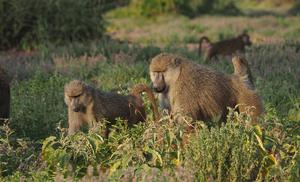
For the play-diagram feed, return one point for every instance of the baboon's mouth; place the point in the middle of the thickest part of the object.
(80, 108)
(160, 89)
(77, 109)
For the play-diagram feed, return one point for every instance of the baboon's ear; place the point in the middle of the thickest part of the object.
(176, 61)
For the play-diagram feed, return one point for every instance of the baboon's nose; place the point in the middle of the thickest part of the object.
(76, 109)
(156, 89)
(159, 89)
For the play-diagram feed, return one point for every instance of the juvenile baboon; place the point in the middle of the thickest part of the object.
(197, 91)
(4, 95)
(210, 50)
(87, 105)
(242, 70)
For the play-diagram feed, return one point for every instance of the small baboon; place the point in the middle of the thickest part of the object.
(210, 50)
(4, 95)
(242, 70)
(197, 91)
(87, 105)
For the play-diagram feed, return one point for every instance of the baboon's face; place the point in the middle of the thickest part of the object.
(163, 80)
(205, 43)
(78, 102)
(246, 40)
(158, 82)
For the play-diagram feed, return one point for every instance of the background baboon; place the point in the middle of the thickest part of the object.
(224, 47)
(4, 95)
(87, 105)
(205, 47)
(242, 69)
(197, 91)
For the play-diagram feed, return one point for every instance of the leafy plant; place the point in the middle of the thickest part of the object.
(38, 106)
(15, 154)
(26, 24)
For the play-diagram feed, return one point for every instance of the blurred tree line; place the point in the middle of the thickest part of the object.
(33, 22)
(186, 7)
(197, 7)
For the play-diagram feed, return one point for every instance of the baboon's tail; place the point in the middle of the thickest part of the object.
(138, 89)
(242, 70)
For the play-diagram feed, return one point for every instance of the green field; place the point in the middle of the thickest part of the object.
(34, 145)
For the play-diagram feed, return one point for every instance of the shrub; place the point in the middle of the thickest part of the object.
(152, 8)
(295, 10)
(16, 154)
(25, 23)
(37, 113)
(186, 7)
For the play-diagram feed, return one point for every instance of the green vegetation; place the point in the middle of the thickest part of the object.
(186, 7)
(34, 145)
(192, 8)
(32, 22)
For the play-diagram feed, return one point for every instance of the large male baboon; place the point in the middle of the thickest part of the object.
(200, 92)
(87, 105)
(4, 96)
(210, 50)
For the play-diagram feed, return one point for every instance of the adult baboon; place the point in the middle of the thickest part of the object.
(197, 91)
(242, 70)
(210, 50)
(87, 105)
(4, 95)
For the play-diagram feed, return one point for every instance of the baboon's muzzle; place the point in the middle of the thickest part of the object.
(76, 109)
(159, 89)
(80, 108)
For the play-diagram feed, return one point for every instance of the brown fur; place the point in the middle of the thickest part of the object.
(248, 99)
(87, 105)
(197, 91)
(4, 95)
(164, 102)
(225, 47)
(138, 89)
(242, 70)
